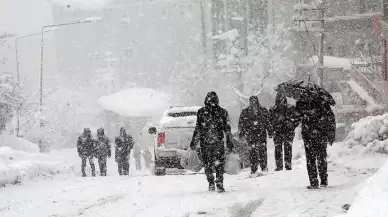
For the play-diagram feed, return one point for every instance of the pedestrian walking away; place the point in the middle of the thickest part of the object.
(85, 148)
(253, 128)
(318, 129)
(283, 119)
(103, 150)
(212, 124)
(124, 144)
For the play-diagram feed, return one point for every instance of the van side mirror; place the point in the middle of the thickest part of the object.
(152, 130)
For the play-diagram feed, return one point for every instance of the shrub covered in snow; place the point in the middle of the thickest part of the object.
(369, 134)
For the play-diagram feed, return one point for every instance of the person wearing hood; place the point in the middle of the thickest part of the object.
(124, 144)
(318, 129)
(212, 124)
(253, 128)
(284, 119)
(85, 148)
(103, 150)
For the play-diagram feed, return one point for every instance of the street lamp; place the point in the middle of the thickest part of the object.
(18, 72)
(87, 20)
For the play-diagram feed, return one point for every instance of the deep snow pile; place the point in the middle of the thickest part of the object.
(18, 166)
(369, 135)
(18, 144)
(372, 200)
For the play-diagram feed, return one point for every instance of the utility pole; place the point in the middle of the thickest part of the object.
(308, 13)
(322, 46)
(270, 24)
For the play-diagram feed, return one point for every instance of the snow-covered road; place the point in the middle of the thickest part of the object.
(277, 194)
(280, 194)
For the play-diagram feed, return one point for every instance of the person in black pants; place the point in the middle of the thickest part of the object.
(124, 145)
(318, 129)
(103, 150)
(253, 127)
(212, 123)
(85, 149)
(284, 119)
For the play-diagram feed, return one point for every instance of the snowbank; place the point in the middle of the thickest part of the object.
(18, 166)
(372, 200)
(18, 144)
(369, 134)
(136, 102)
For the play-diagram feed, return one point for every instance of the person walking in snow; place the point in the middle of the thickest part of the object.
(103, 150)
(85, 148)
(137, 156)
(124, 144)
(283, 119)
(318, 129)
(253, 128)
(212, 123)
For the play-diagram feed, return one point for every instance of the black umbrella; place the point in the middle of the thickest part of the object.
(321, 93)
(292, 89)
(296, 89)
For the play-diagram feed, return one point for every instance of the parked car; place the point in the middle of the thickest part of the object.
(173, 137)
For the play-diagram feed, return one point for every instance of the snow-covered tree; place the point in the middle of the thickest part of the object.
(9, 99)
(266, 65)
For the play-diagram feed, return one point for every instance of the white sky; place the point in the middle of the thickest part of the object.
(24, 16)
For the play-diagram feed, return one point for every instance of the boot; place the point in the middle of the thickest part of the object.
(278, 169)
(220, 188)
(312, 187)
(83, 175)
(212, 187)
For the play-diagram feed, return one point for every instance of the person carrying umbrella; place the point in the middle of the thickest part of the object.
(318, 127)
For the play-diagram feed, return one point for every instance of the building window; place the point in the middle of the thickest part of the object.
(164, 11)
(362, 6)
(128, 52)
(385, 9)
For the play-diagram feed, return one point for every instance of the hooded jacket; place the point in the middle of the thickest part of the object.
(85, 144)
(283, 119)
(254, 126)
(212, 123)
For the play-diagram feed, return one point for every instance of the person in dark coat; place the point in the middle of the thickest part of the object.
(124, 144)
(318, 129)
(212, 123)
(284, 119)
(85, 148)
(253, 127)
(103, 150)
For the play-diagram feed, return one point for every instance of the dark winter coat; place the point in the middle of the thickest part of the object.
(124, 144)
(254, 126)
(318, 120)
(212, 123)
(85, 146)
(283, 119)
(103, 147)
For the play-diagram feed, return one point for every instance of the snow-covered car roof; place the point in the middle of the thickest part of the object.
(187, 120)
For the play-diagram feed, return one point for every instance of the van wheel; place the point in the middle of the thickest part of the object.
(160, 169)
